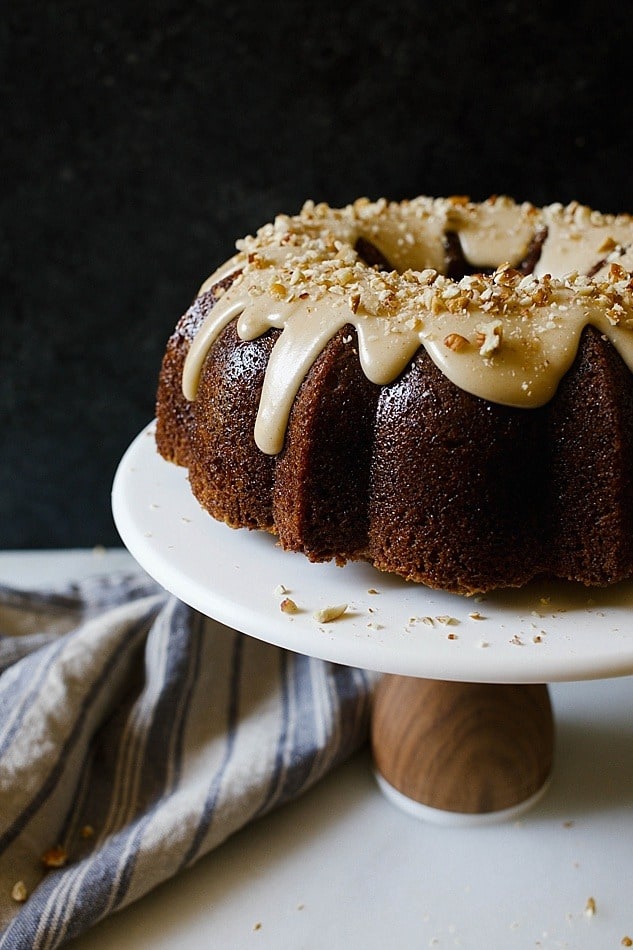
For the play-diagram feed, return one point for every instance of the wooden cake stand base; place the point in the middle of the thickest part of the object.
(462, 748)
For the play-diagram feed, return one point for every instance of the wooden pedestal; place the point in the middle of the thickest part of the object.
(465, 748)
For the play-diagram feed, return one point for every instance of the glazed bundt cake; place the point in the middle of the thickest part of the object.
(440, 387)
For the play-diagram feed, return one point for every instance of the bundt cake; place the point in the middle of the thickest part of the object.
(440, 387)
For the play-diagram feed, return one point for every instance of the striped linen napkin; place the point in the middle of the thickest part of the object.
(135, 736)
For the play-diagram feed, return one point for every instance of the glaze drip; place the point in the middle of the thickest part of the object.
(507, 335)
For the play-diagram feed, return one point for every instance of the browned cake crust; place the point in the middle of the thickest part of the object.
(590, 476)
(418, 476)
(213, 436)
(456, 485)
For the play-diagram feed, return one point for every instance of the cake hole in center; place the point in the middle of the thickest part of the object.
(456, 264)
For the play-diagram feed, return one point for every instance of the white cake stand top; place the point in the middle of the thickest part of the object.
(546, 632)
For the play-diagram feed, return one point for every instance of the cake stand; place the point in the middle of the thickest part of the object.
(462, 727)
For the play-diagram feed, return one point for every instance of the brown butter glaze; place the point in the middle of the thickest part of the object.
(518, 325)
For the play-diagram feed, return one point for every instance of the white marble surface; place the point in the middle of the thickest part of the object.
(343, 868)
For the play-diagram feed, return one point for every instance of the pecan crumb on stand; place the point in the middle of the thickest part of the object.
(55, 857)
(19, 892)
(327, 614)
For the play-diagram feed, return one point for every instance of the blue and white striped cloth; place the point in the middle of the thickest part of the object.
(137, 735)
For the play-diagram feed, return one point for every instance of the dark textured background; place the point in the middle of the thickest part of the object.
(138, 140)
